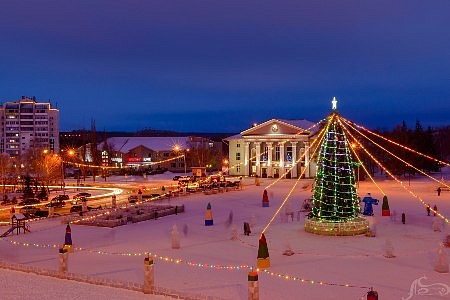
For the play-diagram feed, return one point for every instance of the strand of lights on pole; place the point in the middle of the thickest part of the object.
(352, 148)
(400, 159)
(399, 181)
(397, 144)
(292, 189)
(365, 169)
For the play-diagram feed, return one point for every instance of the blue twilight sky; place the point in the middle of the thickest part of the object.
(219, 66)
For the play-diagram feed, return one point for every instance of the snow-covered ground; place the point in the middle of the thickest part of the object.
(210, 258)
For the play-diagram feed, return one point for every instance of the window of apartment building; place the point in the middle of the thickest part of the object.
(166, 154)
(238, 156)
(173, 165)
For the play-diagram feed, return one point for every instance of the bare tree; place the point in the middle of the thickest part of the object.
(5, 169)
(51, 169)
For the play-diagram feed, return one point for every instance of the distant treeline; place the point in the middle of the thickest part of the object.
(76, 138)
(434, 143)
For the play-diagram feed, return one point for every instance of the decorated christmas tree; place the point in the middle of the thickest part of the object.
(335, 201)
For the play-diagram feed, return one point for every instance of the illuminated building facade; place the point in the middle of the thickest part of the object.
(28, 124)
(270, 149)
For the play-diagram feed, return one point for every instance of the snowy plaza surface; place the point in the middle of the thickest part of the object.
(358, 261)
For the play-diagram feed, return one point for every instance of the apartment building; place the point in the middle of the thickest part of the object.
(28, 124)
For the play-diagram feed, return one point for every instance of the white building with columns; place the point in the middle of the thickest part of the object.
(271, 149)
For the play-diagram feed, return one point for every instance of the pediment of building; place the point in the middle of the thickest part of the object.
(274, 127)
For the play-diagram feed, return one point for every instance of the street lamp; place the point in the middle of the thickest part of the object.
(63, 184)
(177, 149)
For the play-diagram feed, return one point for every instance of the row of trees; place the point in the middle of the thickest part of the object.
(45, 169)
(424, 141)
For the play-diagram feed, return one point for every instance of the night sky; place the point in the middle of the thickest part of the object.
(219, 66)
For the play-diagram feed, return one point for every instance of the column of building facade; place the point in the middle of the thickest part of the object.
(307, 166)
(294, 159)
(269, 159)
(246, 159)
(281, 168)
(258, 158)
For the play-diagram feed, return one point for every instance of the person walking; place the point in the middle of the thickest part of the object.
(439, 191)
(435, 209)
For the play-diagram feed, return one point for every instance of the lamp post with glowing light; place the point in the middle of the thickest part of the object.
(63, 183)
(225, 166)
(177, 149)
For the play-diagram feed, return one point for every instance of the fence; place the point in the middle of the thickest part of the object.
(127, 285)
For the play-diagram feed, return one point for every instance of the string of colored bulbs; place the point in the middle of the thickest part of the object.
(122, 167)
(179, 261)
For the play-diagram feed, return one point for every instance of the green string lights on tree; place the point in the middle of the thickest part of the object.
(335, 198)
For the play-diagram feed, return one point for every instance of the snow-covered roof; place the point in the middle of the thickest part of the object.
(234, 137)
(303, 124)
(19, 216)
(125, 144)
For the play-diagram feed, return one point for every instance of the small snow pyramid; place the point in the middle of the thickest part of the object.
(441, 264)
(288, 251)
(208, 216)
(388, 249)
(437, 224)
(265, 199)
(175, 237)
(372, 226)
(68, 240)
(234, 233)
(229, 220)
(257, 183)
(252, 222)
(385, 212)
(263, 261)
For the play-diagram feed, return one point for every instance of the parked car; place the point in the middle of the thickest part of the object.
(78, 200)
(41, 213)
(79, 208)
(63, 197)
(150, 196)
(29, 201)
(76, 208)
(82, 194)
(133, 199)
(56, 202)
(28, 210)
